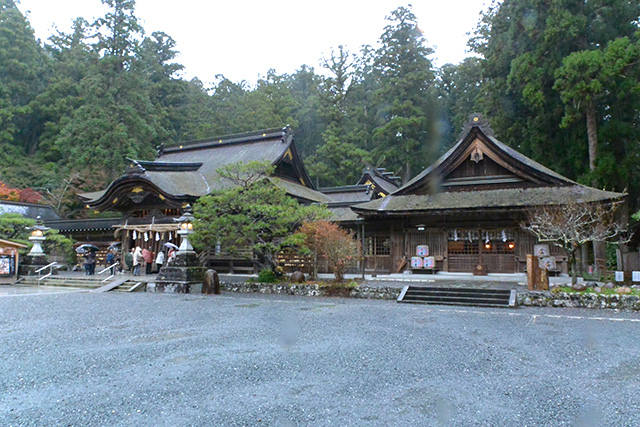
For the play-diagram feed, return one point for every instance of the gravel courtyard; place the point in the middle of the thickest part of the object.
(148, 359)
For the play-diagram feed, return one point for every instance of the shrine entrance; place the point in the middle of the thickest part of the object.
(493, 249)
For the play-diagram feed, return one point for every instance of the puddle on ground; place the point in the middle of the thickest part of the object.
(317, 307)
(252, 305)
(163, 337)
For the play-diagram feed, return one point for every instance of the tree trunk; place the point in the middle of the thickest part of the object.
(592, 135)
(600, 259)
(572, 261)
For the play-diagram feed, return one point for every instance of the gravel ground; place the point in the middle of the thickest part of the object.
(147, 359)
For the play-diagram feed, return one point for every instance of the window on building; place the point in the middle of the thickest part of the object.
(377, 245)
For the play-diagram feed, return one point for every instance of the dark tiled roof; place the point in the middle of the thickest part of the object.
(519, 160)
(342, 214)
(190, 169)
(299, 191)
(384, 180)
(348, 193)
(502, 198)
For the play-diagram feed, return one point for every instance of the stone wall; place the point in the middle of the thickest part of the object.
(577, 300)
(388, 293)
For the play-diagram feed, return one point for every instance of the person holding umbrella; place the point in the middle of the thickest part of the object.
(172, 252)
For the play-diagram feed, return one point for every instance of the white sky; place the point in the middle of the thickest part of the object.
(244, 39)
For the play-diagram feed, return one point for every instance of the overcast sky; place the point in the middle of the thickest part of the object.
(244, 39)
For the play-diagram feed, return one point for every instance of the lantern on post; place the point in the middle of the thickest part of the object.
(37, 237)
(186, 228)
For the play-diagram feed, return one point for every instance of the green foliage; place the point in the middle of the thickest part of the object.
(253, 213)
(267, 276)
(545, 76)
(84, 101)
(406, 137)
(14, 226)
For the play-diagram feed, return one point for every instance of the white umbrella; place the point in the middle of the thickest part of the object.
(171, 245)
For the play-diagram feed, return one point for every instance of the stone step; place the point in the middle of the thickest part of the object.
(458, 296)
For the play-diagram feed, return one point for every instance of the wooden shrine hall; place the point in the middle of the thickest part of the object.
(467, 207)
(151, 194)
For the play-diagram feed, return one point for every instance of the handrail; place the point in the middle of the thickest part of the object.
(109, 268)
(46, 266)
(50, 267)
(45, 276)
(112, 266)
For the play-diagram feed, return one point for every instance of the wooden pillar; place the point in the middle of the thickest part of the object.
(537, 278)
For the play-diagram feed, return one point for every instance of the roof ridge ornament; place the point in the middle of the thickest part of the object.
(134, 168)
(477, 120)
(286, 131)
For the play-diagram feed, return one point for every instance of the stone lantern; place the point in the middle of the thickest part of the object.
(186, 229)
(37, 237)
(36, 258)
(184, 274)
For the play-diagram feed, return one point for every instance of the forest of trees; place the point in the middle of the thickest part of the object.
(559, 81)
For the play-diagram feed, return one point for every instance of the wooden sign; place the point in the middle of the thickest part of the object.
(547, 263)
(541, 251)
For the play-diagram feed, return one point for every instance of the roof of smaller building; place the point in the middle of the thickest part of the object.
(384, 180)
(501, 198)
(11, 243)
(93, 224)
(28, 210)
(342, 214)
(348, 193)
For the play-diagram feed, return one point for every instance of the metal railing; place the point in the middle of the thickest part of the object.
(111, 268)
(41, 269)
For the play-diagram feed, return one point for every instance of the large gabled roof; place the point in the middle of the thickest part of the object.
(524, 182)
(185, 172)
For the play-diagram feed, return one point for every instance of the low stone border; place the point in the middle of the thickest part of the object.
(383, 292)
(577, 300)
(526, 299)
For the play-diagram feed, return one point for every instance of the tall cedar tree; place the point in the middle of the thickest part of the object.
(525, 44)
(406, 139)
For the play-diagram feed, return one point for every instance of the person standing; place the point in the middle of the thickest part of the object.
(128, 260)
(91, 262)
(137, 260)
(147, 254)
(111, 257)
(159, 260)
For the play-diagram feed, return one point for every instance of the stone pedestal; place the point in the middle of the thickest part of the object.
(184, 275)
(31, 263)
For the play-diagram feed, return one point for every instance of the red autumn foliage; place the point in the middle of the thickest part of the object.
(327, 240)
(28, 195)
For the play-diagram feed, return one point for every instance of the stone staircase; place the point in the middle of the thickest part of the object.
(94, 284)
(482, 297)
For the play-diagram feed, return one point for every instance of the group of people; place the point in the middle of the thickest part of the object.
(139, 257)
